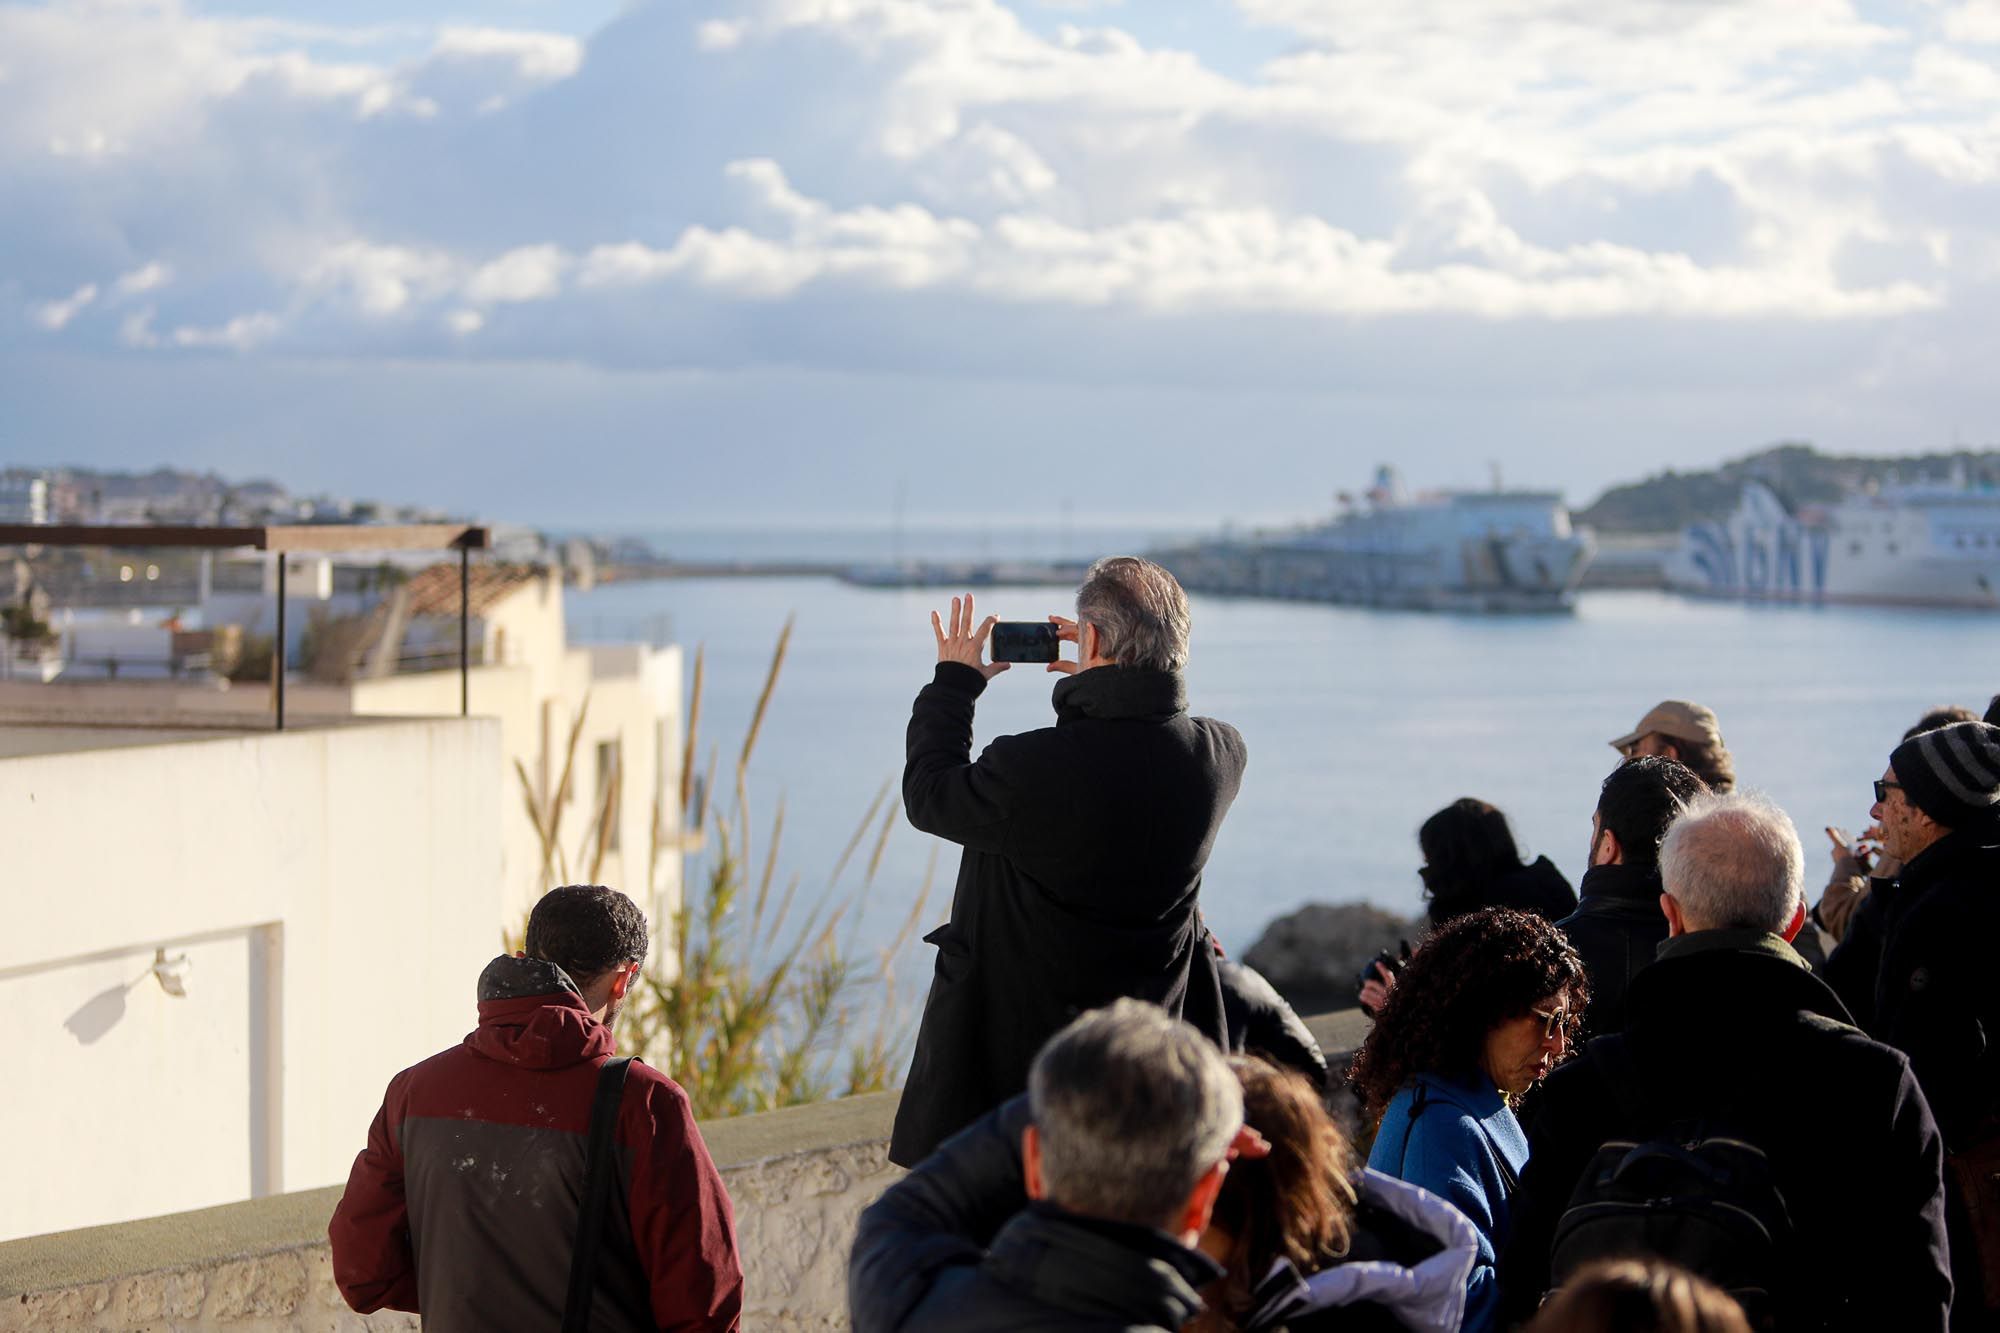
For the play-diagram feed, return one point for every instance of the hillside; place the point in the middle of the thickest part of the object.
(1797, 472)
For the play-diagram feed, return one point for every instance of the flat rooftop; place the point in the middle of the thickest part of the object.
(24, 734)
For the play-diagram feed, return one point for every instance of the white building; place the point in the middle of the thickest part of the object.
(221, 943)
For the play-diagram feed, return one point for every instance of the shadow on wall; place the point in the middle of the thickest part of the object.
(100, 1013)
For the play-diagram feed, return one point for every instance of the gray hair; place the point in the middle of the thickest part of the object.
(1132, 1107)
(1733, 862)
(1140, 612)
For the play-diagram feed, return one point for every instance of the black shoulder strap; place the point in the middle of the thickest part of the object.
(596, 1194)
(1418, 1101)
(1613, 1057)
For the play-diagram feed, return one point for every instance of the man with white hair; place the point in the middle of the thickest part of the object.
(1122, 1142)
(1730, 1034)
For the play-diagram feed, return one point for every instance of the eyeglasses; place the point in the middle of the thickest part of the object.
(1552, 1023)
(1882, 790)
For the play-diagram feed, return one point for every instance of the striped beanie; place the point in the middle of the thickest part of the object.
(1952, 774)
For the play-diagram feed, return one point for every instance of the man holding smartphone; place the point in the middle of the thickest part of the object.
(1084, 845)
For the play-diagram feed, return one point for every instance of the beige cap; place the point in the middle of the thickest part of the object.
(1676, 719)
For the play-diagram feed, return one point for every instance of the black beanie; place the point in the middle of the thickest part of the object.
(1952, 774)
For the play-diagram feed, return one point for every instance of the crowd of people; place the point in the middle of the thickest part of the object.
(1679, 1097)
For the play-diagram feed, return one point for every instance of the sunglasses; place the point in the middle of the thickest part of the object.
(1882, 790)
(1552, 1023)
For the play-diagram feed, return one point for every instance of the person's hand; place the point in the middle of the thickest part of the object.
(1065, 633)
(961, 642)
(1375, 990)
(1849, 857)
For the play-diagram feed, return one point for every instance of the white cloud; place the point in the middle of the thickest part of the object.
(145, 278)
(55, 315)
(1975, 21)
(531, 273)
(240, 334)
(541, 57)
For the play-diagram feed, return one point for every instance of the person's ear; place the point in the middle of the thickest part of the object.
(622, 979)
(1607, 851)
(520, 953)
(1797, 923)
(1201, 1203)
(1671, 909)
(1031, 1164)
(1672, 750)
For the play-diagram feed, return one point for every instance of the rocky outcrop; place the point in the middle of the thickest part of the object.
(1315, 955)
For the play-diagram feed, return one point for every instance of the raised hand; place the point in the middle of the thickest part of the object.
(1065, 633)
(960, 642)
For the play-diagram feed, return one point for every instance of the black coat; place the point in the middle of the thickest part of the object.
(949, 1249)
(1616, 928)
(1261, 1023)
(1937, 993)
(1537, 887)
(1730, 1026)
(1084, 844)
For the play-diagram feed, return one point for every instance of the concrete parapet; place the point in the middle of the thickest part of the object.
(799, 1179)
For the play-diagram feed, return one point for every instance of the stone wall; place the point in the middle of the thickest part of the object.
(799, 1179)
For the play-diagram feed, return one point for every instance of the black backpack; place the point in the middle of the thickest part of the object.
(1694, 1193)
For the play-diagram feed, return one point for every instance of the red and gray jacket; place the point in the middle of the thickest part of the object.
(464, 1204)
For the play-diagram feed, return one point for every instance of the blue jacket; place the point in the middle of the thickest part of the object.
(1466, 1147)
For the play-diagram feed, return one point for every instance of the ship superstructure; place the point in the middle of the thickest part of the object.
(1493, 550)
(1930, 544)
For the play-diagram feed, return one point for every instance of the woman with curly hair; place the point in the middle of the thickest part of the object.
(1311, 1241)
(1488, 1006)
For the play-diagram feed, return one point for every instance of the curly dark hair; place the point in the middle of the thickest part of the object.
(1475, 973)
(586, 930)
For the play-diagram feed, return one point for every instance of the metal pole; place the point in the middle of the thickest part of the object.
(278, 645)
(465, 631)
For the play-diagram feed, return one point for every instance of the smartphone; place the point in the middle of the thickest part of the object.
(1024, 641)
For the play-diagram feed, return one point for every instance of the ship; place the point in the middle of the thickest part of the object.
(1477, 551)
(1923, 544)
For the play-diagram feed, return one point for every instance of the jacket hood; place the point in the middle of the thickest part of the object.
(1426, 1297)
(1601, 886)
(532, 1016)
(1092, 1267)
(1112, 692)
(1724, 981)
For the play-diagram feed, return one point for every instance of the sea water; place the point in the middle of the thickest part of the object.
(1359, 723)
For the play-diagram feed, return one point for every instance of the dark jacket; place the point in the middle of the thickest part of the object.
(1730, 1029)
(1937, 993)
(1261, 1023)
(950, 1249)
(1536, 887)
(1616, 929)
(463, 1206)
(1084, 844)
(1855, 963)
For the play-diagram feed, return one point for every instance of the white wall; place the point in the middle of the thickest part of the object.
(336, 892)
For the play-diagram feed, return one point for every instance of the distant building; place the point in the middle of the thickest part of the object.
(24, 498)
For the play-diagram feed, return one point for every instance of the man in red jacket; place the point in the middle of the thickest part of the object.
(464, 1205)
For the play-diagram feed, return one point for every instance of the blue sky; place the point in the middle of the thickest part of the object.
(647, 262)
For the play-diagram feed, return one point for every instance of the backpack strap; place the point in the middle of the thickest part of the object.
(1418, 1101)
(596, 1194)
(1613, 1057)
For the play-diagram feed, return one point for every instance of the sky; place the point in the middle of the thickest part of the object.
(672, 261)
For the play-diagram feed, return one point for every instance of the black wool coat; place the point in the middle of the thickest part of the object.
(1729, 1029)
(1937, 992)
(1616, 929)
(1084, 845)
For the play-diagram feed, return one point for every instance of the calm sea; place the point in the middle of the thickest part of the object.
(1359, 723)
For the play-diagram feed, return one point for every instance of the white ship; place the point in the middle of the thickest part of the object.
(1922, 545)
(1460, 551)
